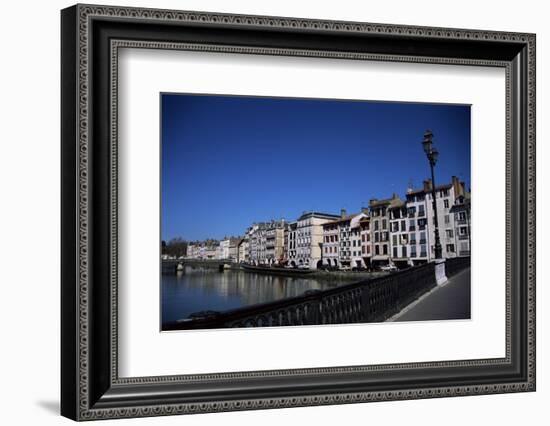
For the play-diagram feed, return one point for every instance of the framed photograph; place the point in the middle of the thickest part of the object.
(263, 212)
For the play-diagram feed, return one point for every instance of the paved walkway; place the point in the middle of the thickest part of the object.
(449, 301)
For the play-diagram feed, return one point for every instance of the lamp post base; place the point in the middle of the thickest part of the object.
(440, 276)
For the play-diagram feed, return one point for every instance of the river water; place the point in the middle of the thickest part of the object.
(200, 289)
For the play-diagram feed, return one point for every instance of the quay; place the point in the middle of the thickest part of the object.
(172, 265)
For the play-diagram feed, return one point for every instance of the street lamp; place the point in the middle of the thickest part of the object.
(432, 154)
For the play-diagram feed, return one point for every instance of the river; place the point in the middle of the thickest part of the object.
(199, 289)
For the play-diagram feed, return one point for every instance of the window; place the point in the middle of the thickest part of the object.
(423, 237)
(363, 238)
(413, 238)
(404, 251)
(363, 249)
(450, 248)
(395, 252)
(377, 249)
(412, 226)
(376, 224)
(423, 250)
(394, 239)
(449, 233)
(447, 219)
(384, 224)
(376, 237)
(411, 211)
(413, 251)
(421, 211)
(403, 226)
(385, 249)
(421, 224)
(463, 230)
(446, 203)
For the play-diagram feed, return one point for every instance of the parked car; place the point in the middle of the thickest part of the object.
(388, 268)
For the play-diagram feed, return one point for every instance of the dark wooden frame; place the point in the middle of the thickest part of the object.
(90, 386)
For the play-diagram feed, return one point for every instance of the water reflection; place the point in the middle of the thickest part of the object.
(199, 289)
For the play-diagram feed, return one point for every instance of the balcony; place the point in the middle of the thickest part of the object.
(461, 221)
(464, 252)
(463, 237)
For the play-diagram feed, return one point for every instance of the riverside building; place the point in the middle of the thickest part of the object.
(309, 238)
(266, 242)
(342, 243)
(421, 218)
(380, 228)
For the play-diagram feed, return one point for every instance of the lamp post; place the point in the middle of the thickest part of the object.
(432, 154)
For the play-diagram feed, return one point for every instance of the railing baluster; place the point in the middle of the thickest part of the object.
(366, 301)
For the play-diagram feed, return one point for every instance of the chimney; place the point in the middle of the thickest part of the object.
(343, 213)
(410, 186)
(458, 188)
(427, 185)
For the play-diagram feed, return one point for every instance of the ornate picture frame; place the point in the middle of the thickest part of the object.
(90, 38)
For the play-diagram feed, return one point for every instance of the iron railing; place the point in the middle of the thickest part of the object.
(456, 264)
(372, 300)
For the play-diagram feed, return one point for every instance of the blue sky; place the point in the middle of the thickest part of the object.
(228, 161)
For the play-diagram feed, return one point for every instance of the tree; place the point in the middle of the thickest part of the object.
(175, 247)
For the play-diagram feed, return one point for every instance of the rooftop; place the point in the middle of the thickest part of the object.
(427, 190)
(394, 201)
(307, 215)
(344, 219)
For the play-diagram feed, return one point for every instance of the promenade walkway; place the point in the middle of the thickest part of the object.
(449, 301)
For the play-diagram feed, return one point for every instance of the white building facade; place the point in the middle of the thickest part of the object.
(309, 239)
(266, 240)
(421, 218)
(342, 241)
